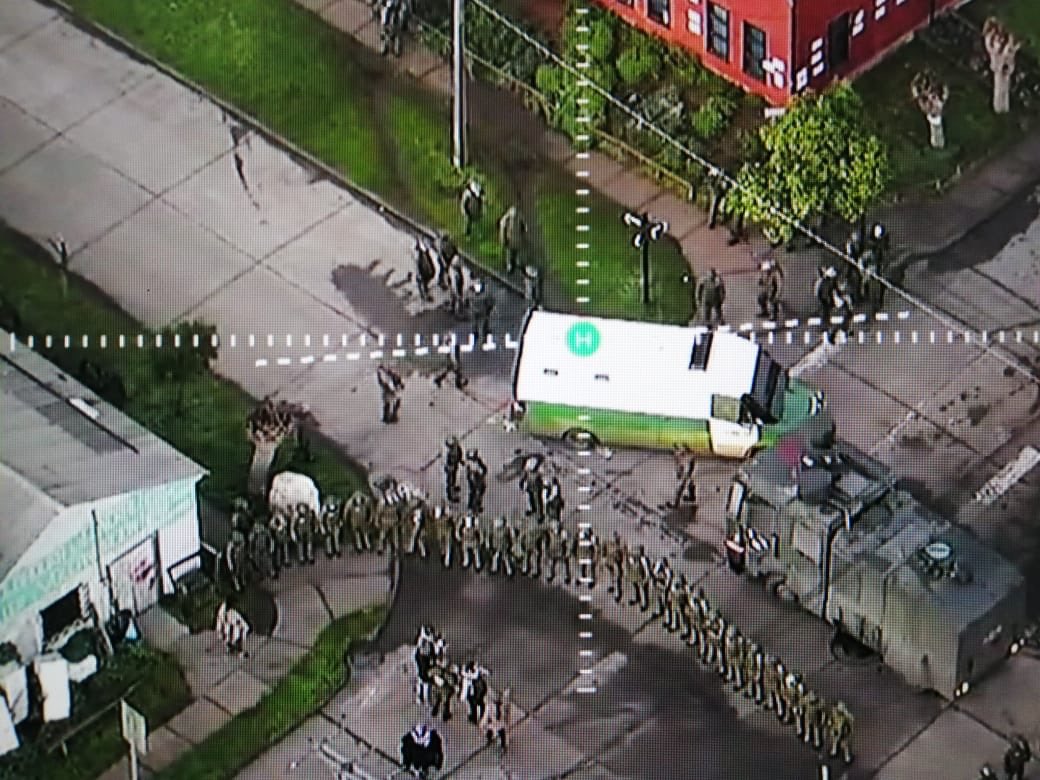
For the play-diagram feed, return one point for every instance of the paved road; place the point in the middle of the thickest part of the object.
(179, 234)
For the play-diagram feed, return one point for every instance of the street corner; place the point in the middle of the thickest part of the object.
(302, 615)
(1008, 700)
(82, 214)
(348, 595)
(173, 284)
(256, 196)
(954, 739)
(299, 756)
(887, 714)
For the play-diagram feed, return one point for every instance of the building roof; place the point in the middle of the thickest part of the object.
(637, 367)
(61, 445)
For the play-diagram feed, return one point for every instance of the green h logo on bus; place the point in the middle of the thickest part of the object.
(583, 339)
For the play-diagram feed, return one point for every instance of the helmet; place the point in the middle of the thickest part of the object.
(879, 230)
(472, 454)
(855, 237)
(451, 441)
(240, 503)
(830, 272)
(476, 186)
(500, 521)
(478, 286)
(767, 265)
(987, 771)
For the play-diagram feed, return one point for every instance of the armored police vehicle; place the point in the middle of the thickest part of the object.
(827, 526)
(641, 384)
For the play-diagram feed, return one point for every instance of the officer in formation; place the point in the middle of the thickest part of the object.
(390, 387)
(358, 511)
(456, 277)
(452, 462)
(534, 539)
(445, 254)
(481, 305)
(661, 581)
(511, 232)
(587, 552)
(711, 294)
(235, 557)
(552, 500)
(469, 538)
(504, 546)
(303, 530)
(279, 525)
(386, 525)
(476, 481)
(615, 557)
(532, 485)
(262, 550)
(559, 549)
(444, 523)
(471, 204)
(771, 287)
(637, 572)
(1017, 756)
(425, 268)
(330, 527)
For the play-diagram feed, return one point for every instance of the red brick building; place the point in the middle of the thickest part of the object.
(779, 48)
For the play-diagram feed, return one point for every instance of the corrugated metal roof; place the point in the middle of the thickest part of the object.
(638, 367)
(52, 455)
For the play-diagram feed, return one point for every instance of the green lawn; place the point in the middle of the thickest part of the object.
(161, 693)
(211, 427)
(614, 289)
(1021, 16)
(307, 687)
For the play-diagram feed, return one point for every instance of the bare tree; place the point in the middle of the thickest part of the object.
(931, 95)
(267, 427)
(1002, 46)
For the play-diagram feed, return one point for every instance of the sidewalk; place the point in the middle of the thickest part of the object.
(918, 229)
(307, 599)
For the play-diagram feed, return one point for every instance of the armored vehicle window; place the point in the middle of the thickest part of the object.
(805, 541)
(701, 348)
(723, 407)
(736, 499)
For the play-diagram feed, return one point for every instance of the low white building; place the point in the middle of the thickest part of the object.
(95, 508)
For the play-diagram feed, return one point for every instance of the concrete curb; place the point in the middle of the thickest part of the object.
(369, 199)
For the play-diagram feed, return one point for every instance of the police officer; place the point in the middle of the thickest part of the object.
(329, 527)
(711, 294)
(880, 242)
(438, 696)
(986, 773)
(359, 519)
(452, 461)
(637, 571)
(754, 669)
(425, 270)
(303, 529)
(559, 550)
(444, 522)
(839, 727)
(511, 232)
(843, 306)
(457, 287)
(661, 582)
(446, 254)
(387, 525)
(534, 539)
(587, 552)
(532, 285)
(773, 677)
(235, 557)
(451, 679)
(476, 481)
(241, 517)
(471, 204)
(468, 537)
(390, 18)
(823, 291)
(552, 500)
(812, 717)
(719, 186)
(615, 555)
(261, 549)
(503, 540)
(797, 694)
(419, 517)
(690, 608)
(676, 616)
(714, 637)
(685, 467)
(731, 661)
(771, 287)
(474, 690)
(481, 305)
(873, 291)
(424, 662)
(279, 526)
(1016, 757)
(390, 388)
(532, 484)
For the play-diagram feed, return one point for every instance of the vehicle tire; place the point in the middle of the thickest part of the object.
(580, 439)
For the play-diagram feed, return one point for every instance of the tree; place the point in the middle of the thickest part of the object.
(186, 348)
(1002, 46)
(267, 427)
(818, 159)
(931, 95)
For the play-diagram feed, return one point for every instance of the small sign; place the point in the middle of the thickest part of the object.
(583, 339)
(135, 729)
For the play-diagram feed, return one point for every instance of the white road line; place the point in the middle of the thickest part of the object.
(820, 354)
(1008, 476)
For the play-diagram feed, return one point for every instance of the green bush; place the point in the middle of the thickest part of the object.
(712, 119)
(80, 645)
(637, 63)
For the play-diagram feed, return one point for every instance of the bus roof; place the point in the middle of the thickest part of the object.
(638, 367)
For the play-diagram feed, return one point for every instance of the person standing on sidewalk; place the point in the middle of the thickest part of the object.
(390, 387)
(771, 286)
(511, 232)
(471, 204)
(425, 270)
(446, 253)
(711, 294)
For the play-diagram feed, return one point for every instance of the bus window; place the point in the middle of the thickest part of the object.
(723, 407)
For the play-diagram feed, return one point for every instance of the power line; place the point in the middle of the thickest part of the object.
(714, 170)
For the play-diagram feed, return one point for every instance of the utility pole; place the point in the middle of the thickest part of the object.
(647, 230)
(459, 112)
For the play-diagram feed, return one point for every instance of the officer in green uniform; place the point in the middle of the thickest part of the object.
(444, 522)
(503, 539)
(839, 728)
(303, 529)
(261, 548)
(754, 667)
(586, 553)
(534, 541)
(359, 519)
(468, 536)
(330, 527)
(637, 572)
(280, 532)
(558, 548)
(615, 554)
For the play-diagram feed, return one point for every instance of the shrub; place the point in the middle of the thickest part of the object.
(636, 63)
(712, 119)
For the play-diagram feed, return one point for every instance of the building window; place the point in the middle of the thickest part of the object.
(718, 31)
(61, 614)
(659, 11)
(838, 35)
(754, 52)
